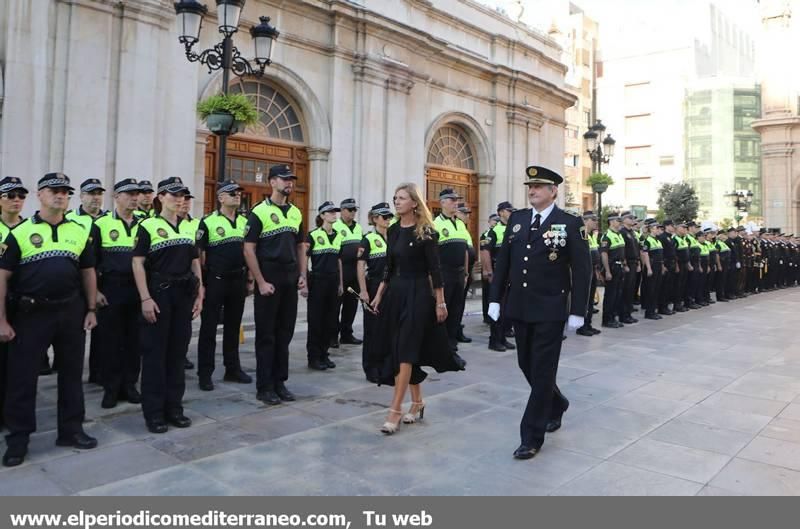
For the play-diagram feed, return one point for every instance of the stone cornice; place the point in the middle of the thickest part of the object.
(485, 178)
(525, 116)
(318, 154)
(783, 121)
(384, 72)
(777, 150)
(156, 12)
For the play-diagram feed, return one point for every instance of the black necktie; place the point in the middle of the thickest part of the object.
(536, 222)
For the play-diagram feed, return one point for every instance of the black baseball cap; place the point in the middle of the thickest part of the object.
(145, 186)
(128, 185)
(282, 171)
(494, 216)
(505, 205)
(589, 215)
(542, 175)
(55, 181)
(172, 185)
(92, 184)
(11, 183)
(348, 203)
(382, 209)
(229, 186)
(326, 207)
(449, 192)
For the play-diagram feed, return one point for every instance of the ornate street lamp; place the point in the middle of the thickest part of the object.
(600, 148)
(741, 200)
(224, 55)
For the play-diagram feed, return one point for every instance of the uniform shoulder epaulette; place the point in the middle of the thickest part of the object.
(571, 212)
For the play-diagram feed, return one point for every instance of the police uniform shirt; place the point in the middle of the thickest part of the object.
(351, 240)
(668, 246)
(324, 256)
(631, 244)
(594, 249)
(114, 240)
(610, 244)
(650, 247)
(48, 266)
(373, 246)
(493, 241)
(142, 214)
(173, 250)
(279, 247)
(681, 248)
(81, 217)
(223, 240)
(452, 241)
(4, 231)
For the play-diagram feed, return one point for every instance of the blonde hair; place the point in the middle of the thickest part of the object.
(422, 215)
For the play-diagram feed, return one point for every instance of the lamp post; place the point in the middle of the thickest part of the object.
(224, 55)
(741, 200)
(600, 148)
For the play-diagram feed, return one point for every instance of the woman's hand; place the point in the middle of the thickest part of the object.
(150, 310)
(376, 303)
(441, 312)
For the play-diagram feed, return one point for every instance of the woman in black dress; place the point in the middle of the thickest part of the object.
(411, 333)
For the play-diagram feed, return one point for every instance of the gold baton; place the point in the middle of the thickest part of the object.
(364, 304)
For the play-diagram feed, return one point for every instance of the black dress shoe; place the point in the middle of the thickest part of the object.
(525, 452)
(179, 420)
(330, 364)
(460, 362)
(723, 300)
(695, 306)
(595, 311)
(652, 317)
(187, 364)
(463, 339)
(77, 440)
(283, 393)
(553, 425)
(14, 456)
(205, 384)
(45, 370)
(350, 340)
(510, 333)
(609, 325)
(157, 426)
(584, 331)
(317, 365)
(268, 397)
(131, 394)
(238, 376)
(109, 400)
(629, 320)
(595, 331)
(666, 312)
(509, 345)
(497, 347)
(334, 344)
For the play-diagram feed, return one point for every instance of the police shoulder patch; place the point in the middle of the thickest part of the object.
(583, 233)
(199, 234)
(571, 212)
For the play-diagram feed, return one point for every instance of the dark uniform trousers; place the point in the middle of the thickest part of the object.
(226, 292)
(163, 345)
(323, 300)
(454, 298)
(3, 376)
(721, 281)
(62, 327)
(370, 324)
(118, 334)
(650, 288)
(692, 283)
(539, 365)
(485, 286)
(680, 295)
(590, 307)
(348, 304)
(275, 318)
(629, 288)
(665, 289)
(612, 298)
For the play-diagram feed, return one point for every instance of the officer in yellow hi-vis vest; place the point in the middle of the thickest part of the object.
(589, 227)
(52, 263)
(454, 261)
(118, 331)
(325, 286)
(145, 209)
(612, 253)
(273, 250)
(350, 231)
(190, 225)
(12, 199)
(463, 213)
(501, 329)
(166, 266)
(91, 208)
(371, 267)
(221, 242)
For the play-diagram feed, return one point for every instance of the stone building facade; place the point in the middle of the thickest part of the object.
(361, 96)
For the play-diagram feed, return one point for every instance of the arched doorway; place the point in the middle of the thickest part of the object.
(278, 138)
(451, 163)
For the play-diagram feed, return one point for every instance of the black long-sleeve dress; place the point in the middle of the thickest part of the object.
(408, 330)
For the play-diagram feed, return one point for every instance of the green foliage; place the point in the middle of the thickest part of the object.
(678, 201)
(242, 108)
(600, 178)
(607, 210)
(661, 215)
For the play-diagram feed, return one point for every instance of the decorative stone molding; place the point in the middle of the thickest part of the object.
(526, 117)
(485, 178)
(317, 154)
(387, 72)
(2, 89)
(155, 12)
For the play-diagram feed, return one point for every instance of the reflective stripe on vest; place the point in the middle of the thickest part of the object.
(377, 246)
(35, 240)
(692, 241)
(323, 243)
(500, 231)
(273, 221)
(84, 220)
(680, 242)
(448, 233)
(113, 235)
(723, 247)
(654, 243)
(220, 230)
(162, 235)
(347, 235)
(616, 240)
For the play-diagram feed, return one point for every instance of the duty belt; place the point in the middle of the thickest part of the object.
(28, 303)
(165, 281)
(230, 274)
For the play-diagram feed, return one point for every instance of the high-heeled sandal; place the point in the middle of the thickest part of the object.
(416, 408)
(391, 427)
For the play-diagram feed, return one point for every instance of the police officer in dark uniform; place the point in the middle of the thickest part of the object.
(454, 261)
(652, 255)
(12, 199)
(500, 329)
(693, 281)
(545, 266)
(350, 231)
(220, 238)
(486, 282)
(463, 214)
(145, 209)
(684, 266)
(632, 266)
(590, 225)
(273, 250)
(669, 279)
(166, 266)
(612, 255)
(47, 262)
(117, 334)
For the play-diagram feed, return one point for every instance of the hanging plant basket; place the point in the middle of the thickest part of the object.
(228, 113)
(221, 123)
(599, 188)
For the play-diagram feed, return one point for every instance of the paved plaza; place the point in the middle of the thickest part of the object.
(700, 403)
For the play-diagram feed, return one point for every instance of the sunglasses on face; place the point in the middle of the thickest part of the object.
(387, 217)
(351, 210)
(233, 193)
(14, 195)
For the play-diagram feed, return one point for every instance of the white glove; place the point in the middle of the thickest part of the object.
(738, 265)
(574, 322)
(494, 311)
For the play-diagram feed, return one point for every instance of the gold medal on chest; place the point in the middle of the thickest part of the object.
(553, 256)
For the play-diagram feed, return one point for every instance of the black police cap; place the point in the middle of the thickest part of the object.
(91, 184)
(505, 205)
(449, 192)
(229, 186)
(282, 171)
(542, 175)
(55, 181)
(172, 185)
(381, 208)
(145, 186)
(128, 185)
(326, 207)
(11, 183)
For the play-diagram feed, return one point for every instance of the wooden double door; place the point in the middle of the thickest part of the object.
(248, 161)
(465, 183)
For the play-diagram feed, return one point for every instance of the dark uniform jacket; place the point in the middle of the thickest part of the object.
(541, 289)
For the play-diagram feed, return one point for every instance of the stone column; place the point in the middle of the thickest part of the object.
(323, 189)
